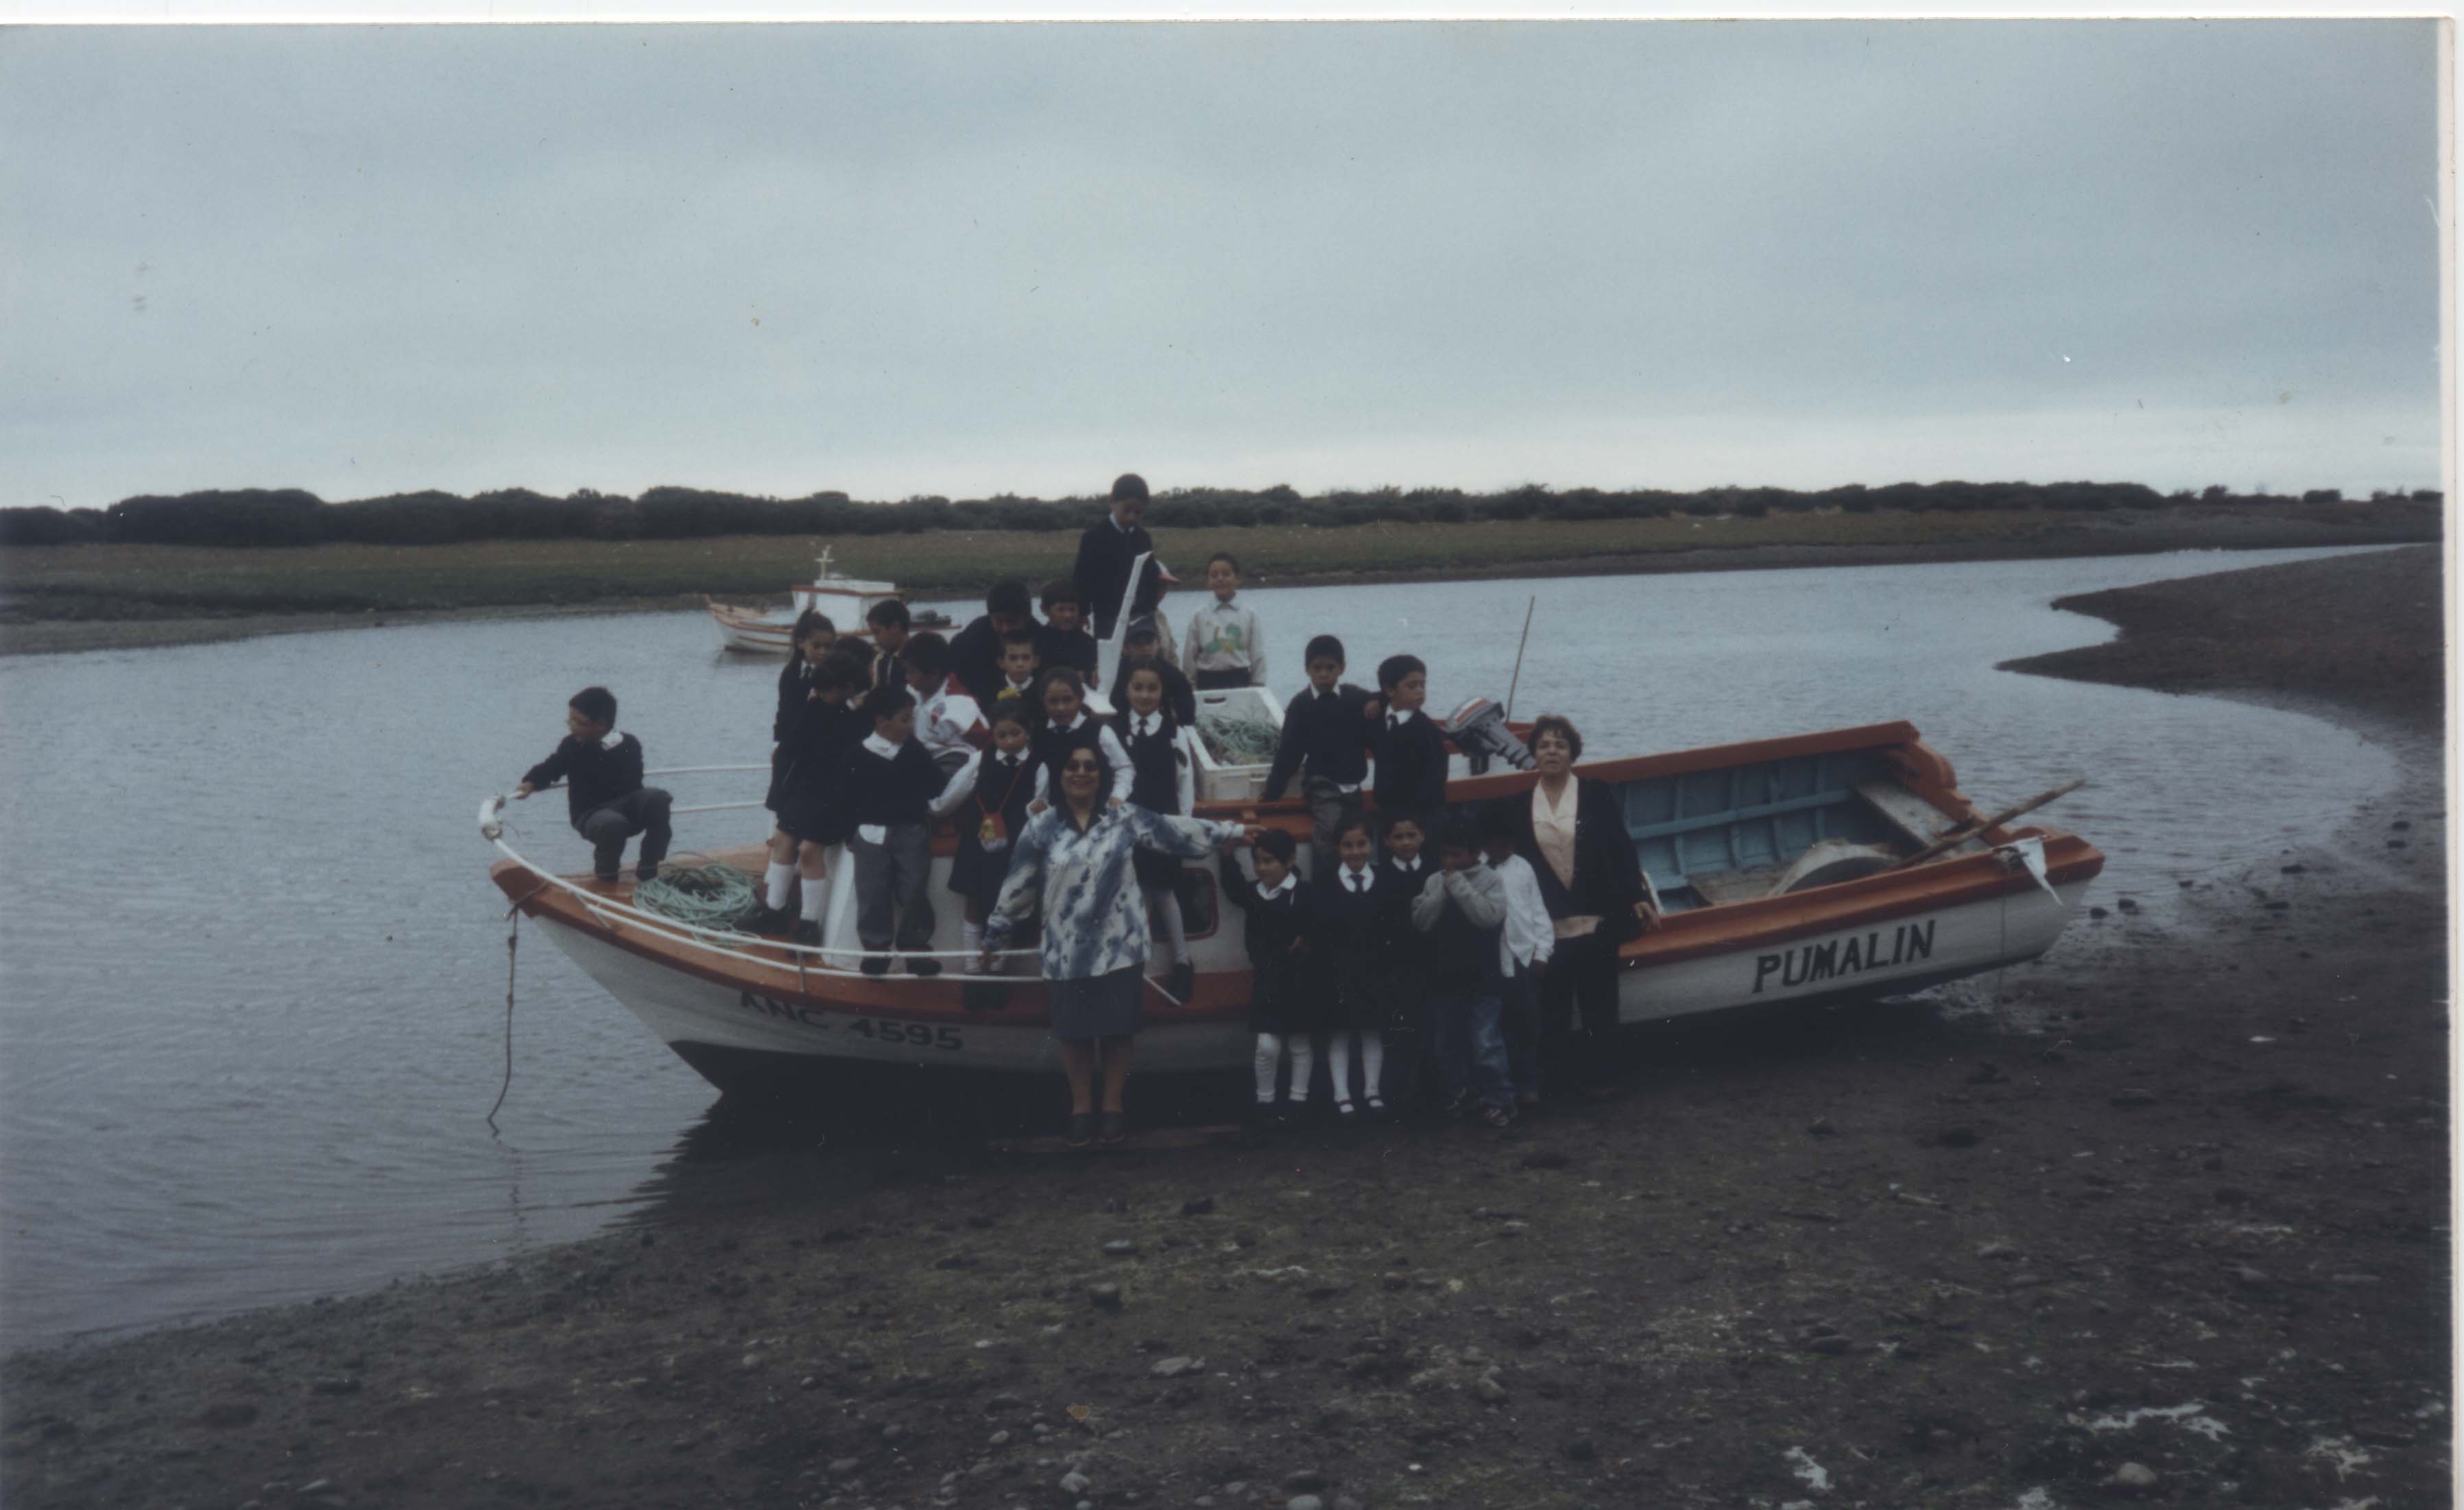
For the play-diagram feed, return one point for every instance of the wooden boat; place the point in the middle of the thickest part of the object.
(1768, 858)
(767, 631)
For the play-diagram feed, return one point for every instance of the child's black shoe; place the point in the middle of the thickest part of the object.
(762, 919)
(807, 931)
(1182, 981)
(876, 964)
(1459, 1107)
(647, 870)
(926, 967)
(1345, 1114)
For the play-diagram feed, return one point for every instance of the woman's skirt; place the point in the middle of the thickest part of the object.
(1155, 872)
(1095, 1006)
(803, 809)
(778, 793)
(976, 872)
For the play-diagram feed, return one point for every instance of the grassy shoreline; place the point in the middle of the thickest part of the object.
(89, 596)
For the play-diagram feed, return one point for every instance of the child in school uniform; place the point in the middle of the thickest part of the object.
(809, 645)
(976, 654)
(991, 800)
(1524, 942)
(1401, 873)
(819, 731)
(1458, 915)
(1060, 639)
(1327, 730)
(1163, 779)
(1141, 641)
(1067, 725)
(1225, 648)
(947, 722)
(1411, 749)
(1354, 945)
(1018, 665)
(1284, 1010)
(889, 792)
(604, 799)
(888, 620)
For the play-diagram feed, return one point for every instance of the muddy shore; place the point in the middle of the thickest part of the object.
(2174, 1198)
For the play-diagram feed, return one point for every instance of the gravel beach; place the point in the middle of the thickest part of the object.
(2161, 1220)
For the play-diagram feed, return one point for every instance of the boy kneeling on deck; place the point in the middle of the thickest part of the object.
(603, 794)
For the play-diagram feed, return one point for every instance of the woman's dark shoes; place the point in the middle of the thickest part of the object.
(1082, 1128)
(1182, 981)
(876, 964)
(923, 967)
(807, 931)
(1112, 1128)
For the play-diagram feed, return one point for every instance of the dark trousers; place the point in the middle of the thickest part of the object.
(889, 879)
(642, 811)
(1578, 1011)
(1219, 681)
(1471, 1055)
(1520, 1022)
(1330, 807)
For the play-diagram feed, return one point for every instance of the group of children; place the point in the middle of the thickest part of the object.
(870, 747)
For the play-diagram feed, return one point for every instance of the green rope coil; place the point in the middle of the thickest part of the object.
(710, 896)
(1237, 741)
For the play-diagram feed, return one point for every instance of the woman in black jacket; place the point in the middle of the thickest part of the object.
(1573, 832)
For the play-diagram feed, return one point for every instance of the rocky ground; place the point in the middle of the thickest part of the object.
(2160, 1220)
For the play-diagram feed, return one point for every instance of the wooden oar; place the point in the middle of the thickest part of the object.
(1961, 832)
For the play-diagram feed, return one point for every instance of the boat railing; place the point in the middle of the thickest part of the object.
(611, 913)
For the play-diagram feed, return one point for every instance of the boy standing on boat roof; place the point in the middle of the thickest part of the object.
(976, 653)
(1326, 730)
(1109, 548)
(889, 622)
(601, 769)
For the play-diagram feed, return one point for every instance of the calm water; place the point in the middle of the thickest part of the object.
(253, 973)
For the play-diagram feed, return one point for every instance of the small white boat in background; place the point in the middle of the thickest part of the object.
(767, 631)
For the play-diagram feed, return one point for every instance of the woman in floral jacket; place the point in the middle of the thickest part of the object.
(1074, 860)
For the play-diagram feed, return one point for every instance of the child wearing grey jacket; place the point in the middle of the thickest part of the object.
(1460, 909)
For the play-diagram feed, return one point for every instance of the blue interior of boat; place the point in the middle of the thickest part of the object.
(1752, 816)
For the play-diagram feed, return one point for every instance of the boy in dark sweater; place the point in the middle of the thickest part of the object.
(603, 794)
(976, 650)
(1107, 550)
(1411, 749)
(889, 792)
(1327, 730)
(1459, 911)
(1059, 640)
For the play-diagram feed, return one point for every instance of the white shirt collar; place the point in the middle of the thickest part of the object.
(1408, 868)
(882, 747)
(1144, 724)
(1396, 719)
(1020, 686)
(615, 737)
(1270, 893)
(1356, 880)
(1118, 527)
(1075, 724)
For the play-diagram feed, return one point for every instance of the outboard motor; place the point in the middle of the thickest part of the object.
(1478, 729)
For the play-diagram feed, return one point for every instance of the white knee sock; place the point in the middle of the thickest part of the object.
(972, 936)
(1372, 1063)
(1303, 1055)
(1175, 932)
(1270, 1053)
(775, 882)
(1338, 1064)
(809, 905)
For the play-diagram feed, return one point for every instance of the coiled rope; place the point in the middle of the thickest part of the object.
(712, 896)
(1236, 741)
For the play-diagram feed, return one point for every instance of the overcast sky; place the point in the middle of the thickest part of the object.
(968, 259)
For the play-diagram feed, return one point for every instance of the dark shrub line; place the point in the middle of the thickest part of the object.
(256, 516)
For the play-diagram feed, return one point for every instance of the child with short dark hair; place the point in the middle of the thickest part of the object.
(1284, 1011)
(947, 722)
(1060, 640)
(603, 795)
(815, 736)
(991, 797)
(1163, 766)
(1019, 663)
(1142, 641)
(1327, 730)
(1459, 911)
(889, 622)
(1402, 874)
(1226, 648)
(1354, 944)
(1524, 942)
(890, 791)
(1411, 749)
(976, 654)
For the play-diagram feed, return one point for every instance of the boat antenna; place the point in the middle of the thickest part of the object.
(1518, 655)
(825, 563)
